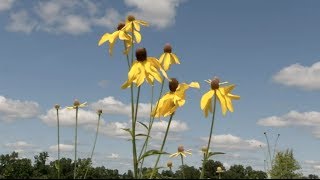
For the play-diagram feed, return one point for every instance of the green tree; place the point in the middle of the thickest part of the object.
(285, 166)
(190, 172)
(211, 168)
(313, 176)
(41, 169)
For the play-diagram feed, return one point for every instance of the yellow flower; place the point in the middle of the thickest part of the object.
(181, 152)
(144, 68)
(168, 58)
(77, 104)
(223, 94)
(133, 25)
(219, 170)
(173, 99)
(112, 38)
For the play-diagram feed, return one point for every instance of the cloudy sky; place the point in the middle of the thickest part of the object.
(269, 49)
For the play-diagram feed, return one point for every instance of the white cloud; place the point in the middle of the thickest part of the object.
(63, 148)
(231, 142)
(79, 17)
(300, 76)
(114, 156)
(161, 17)
(293, 118)
(18, 145)
(67, 117)
(115, 129)
(316, 167)
(110, 105)
(11, 110)
(6, 4)
(21, 22)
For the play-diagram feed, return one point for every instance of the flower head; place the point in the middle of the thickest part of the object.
(181, 152)
(173, 99)
(77, 104)
(57, 106)
(99, 112)
(133, 26)
(144, 68)
(169, 164)
(112, 38)
(168, 58)
(219, 170)
(223, 94)
(204, 149)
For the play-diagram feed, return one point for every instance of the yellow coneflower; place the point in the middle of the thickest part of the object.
(112, 38)
(168, 58)
(144, 68)
(223, 94)
(173, 99)
(133, 26)
(181, 152)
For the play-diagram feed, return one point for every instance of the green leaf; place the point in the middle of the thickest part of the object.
(150, 153)
(56, 165)
(215, 153)
(128, 130)
(143, 135)
(144, 125)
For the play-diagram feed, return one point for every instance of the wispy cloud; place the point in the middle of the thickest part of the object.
(114, 156)
(11, 110)
(6, 4)
(113, 106)
(161, 17)
(63, 148)
(79, 17)
(296, 75)
(294, 118)
(19, 145)
(231, 142)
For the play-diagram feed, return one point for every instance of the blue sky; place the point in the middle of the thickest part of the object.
(269, 49)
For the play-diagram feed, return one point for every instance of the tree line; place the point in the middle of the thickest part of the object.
(14, 167)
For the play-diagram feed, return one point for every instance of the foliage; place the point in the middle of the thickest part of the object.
(285, 166)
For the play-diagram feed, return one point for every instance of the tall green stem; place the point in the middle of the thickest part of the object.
(94, 144)
(145, 144)
(135, 161)
(268, 149)
(75, 145)
(58, 125)
(209, 141)
(162, 146)
(182, 167)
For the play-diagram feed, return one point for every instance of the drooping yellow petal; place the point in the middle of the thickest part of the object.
(175, 58)
(136, 25)
(137, 36)
(104, 38)
(152, 71)
(70, 107)
(232, 96)
(111, 46)
(229, 104)
(161, 58)
(132, 75)
(144, 23)
(194, 85)
(142, 76)
(166, 62)
(114, 36)
(124, 36)
(206, 98)
(183, 154)
(154, 61)
(83, 104)
(222, 101)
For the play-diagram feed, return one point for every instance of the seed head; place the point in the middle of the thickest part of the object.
(131, 18)
(76, 103)
(120, 26)
(57, 106)
(215, 83)
(169, 164)
(167, 48)
(99, 111)
(141, 54)
(173, 84)
(180, 148)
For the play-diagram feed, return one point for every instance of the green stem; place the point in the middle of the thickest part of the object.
(145, 144)
(75, 145)
(268, 149)
(162, 146)
(135, 160)
(58, 124)
(209, 141)
(182, 167)
(94, 144)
